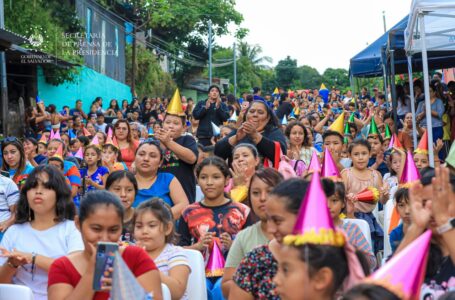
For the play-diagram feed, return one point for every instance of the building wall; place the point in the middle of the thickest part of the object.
(89, 85)
(104, 50)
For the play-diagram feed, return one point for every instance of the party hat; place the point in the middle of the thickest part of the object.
(410, 173)
(215, 263)
(422, 148)
(297, 110)
(276, 91)
(57, 135)
(329, 167)
(392, 141)
(175, 106)
(396, 142)
(110, 141)
(450, 159)
(59, 153)
(43, 139)
(324, 92)
(79, 154)
(150, 132)
(373, 128)
(215, 129)
(234, 117)
(95, 141)
(338, 124)
(292, 115)
(403, 274)
(71, 134)
(86, 132)
(51, 136)
(38, 99)
(314, 166)
(314, 224)
(387, 133)
(110, 132)
(124, 282)
(352, 118)
(284, 121)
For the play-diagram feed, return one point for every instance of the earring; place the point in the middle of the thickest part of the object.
(29, 214)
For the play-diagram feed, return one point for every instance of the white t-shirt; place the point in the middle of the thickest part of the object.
(9, 195)
(54, 242)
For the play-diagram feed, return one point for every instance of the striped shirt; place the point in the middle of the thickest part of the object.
(9, 195)
(359, 241)
(172, 256)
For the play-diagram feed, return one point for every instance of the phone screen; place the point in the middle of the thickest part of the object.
(105, 256)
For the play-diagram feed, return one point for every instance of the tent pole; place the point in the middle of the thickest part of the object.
(426, 82)
(413, 105)
(392, 86)
(384, 70)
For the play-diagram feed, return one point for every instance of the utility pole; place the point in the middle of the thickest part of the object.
(3, 84)
(133, 62)
(210, 52)
(235, 70)
(383, 21)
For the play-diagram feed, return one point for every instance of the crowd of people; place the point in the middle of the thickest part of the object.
(288, 195)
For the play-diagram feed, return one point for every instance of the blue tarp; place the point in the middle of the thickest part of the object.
(368, 63)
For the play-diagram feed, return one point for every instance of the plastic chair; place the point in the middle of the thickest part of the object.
(166, 292)
(364, 227)
(388, 209)
(196, 287)
(15, 291)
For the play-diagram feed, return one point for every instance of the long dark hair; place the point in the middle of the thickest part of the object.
(119, 175)
(287, 132)
(22, 160)
(64, 206)
(91, 201)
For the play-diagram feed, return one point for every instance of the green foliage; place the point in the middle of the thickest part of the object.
(286, 72)
(251, 68)
(49, 20)
(150, 78)
(336, 77)
(308, 78)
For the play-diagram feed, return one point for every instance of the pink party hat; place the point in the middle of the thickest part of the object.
(110, 133)
(215, 264)
(79, 154)
(410, 173)
(57, 136)
(86, 132)
(314, 166)
(51, 136)
(59, 153)
(403, 274)
(314, 224)
(95, 141)
(392, 141)
(329, 168)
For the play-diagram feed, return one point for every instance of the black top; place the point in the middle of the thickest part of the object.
(266, 147)
(284, 109)
(180, 169)
(206, 116)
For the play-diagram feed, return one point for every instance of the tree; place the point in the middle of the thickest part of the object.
(48, 21)
(286, 72)
(309, 77)
(336, 77)
(251, 66)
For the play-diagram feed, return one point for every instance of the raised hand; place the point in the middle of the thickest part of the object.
(420, 207)
(443, 202)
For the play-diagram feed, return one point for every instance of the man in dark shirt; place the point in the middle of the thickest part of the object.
(210, 111)
(285, 107)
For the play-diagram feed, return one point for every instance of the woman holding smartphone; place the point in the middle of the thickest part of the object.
(100, 220)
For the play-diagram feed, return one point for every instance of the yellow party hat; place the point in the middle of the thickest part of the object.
(338, 124)
(175, 106)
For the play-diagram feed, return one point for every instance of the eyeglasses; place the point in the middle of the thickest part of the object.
(151, 141)
(11, 139)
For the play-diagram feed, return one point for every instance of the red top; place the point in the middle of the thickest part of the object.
(63, 271)
(129, 154)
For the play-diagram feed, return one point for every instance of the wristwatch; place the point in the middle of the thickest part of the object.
(447, 226)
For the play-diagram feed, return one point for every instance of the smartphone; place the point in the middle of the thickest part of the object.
(105, 255)
(4, 173)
